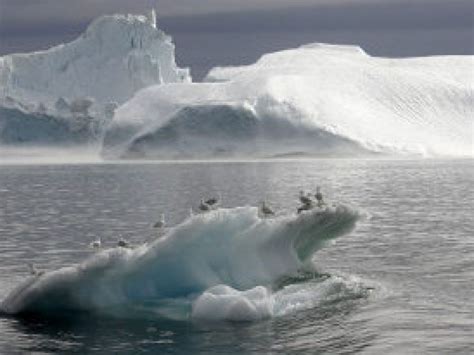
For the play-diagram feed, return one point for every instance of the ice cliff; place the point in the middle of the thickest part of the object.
(118, 86)
(317, 99)
(89, 77)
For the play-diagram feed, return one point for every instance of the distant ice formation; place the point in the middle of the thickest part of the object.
(118, 86)
(86, 79)
(318, 99)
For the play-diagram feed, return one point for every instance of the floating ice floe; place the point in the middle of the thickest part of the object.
(232, 247)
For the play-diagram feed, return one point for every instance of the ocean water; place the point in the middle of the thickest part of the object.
(401, 283)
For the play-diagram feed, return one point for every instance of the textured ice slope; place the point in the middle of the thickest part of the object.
(316, 99)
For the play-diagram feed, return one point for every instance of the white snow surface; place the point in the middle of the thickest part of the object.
(331, 93)
(115, 57)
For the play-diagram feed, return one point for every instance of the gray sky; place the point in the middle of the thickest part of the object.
(229, 32)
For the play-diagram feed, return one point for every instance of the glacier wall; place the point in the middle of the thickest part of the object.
(317, 99)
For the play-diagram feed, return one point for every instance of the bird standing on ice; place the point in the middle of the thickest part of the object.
(266, 211)
(123, 243)
(305, 207)
(306, 202)
(96, 244)
(161, 223)
(33, 270)
(214, 201)
(305, 199)
(203, 206)
(319, 197)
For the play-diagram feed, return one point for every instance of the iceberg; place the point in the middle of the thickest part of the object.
(118, 88)
(87, 78)
(233, 247)
(317, 99)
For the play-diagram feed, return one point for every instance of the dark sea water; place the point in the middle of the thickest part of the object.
(401, 283)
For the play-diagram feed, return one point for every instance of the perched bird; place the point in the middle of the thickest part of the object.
(213, 201)
(305, 207)
(123, 243)
(96, 244)
(203, 206)
(33, 270)
(265, 210)
(304, 199)
(161, 223)
(319, 197)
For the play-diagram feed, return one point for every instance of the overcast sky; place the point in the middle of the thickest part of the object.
(223, 32)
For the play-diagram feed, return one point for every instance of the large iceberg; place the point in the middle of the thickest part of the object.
(317, 99)
(73, 84)
(118, 86)
(234, 247)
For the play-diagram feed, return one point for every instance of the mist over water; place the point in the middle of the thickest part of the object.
(400, 281)
(41, 155)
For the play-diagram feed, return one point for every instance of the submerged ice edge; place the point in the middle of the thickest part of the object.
(224, 303)
(234, 247)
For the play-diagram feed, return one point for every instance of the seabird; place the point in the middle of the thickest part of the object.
(161, 223)
(33, 270)
(265, 210)
(305, 207)
(305, 199)
(203, 206)
(123, 243)
(213, 201)
(319, 197)
(96, 244)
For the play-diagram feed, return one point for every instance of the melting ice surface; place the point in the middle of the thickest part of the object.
(317, 99)
(218, 265)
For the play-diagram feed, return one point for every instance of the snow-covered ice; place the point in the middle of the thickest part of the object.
(118, 87)
(317, 99)
(114, 58)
